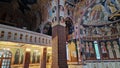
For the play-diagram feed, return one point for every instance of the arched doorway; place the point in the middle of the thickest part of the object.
(71, 43)
(5, 59)
(69, 28)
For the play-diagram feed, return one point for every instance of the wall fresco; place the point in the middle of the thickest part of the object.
(100, 11)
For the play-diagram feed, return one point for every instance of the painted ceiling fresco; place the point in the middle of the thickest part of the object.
(101, 12)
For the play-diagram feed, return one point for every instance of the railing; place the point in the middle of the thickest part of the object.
(8, 33)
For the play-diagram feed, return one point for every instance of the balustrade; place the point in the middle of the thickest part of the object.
(8, 33)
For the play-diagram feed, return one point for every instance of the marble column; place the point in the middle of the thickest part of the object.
(59, 59)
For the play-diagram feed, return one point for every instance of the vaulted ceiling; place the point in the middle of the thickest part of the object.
(24, 13)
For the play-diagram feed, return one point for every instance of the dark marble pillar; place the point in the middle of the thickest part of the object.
(59, 59)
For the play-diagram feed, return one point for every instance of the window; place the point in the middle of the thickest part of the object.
(6, 58)
(97, 50)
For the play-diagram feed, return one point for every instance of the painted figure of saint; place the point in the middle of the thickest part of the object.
(91, 49)
(116, 48)
(34, 57)
(21, 59)
(112, 7)
(87, 51)
(104, 50)
(17, 57)
(38, 58)
(97, 13)
(110, 50)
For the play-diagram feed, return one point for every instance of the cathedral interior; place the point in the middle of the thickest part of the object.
(59, 33)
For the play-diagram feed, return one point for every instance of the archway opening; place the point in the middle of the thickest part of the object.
(47, 29)
(69, 28)
(70, 41)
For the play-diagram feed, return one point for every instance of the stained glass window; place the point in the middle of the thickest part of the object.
(97, 50)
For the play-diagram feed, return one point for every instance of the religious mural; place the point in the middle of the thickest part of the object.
(107, 50)
(100, 20)
(89, 50)
(103, 50)
(110, 50)
(99, 12)
(35, 56)
(116, 48)
(18, 57)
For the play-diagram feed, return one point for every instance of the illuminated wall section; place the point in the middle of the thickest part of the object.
(71, 52)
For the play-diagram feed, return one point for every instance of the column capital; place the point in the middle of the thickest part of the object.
(55, 24)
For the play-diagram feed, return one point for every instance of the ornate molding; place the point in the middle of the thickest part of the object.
(93, 38)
